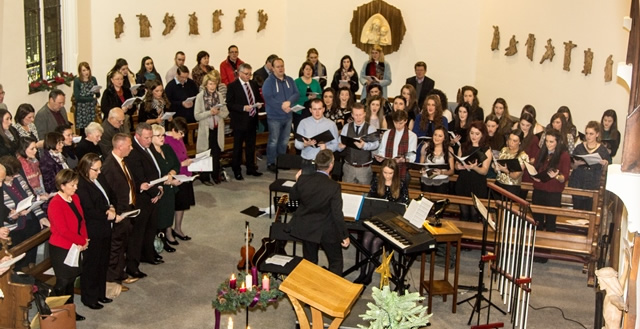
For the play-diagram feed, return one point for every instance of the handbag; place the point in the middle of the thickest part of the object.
(60, 318)
(158, 243)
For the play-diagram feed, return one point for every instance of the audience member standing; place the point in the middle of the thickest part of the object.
(178, 61)
(86, 98)
(52, 114)
(261, 74)
(114, 96)
(230, 66)
(178, 91)
(202, 68)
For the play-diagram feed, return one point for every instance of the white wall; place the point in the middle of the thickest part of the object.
(453, 39)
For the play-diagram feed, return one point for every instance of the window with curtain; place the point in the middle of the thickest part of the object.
(43, 39)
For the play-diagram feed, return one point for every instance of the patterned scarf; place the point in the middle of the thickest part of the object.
(32, 172)
(376, 70)
(211, 100)
(403, 148)
(59, 159)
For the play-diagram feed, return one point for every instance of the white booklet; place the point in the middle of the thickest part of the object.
(159, 180)
(191, 99)
(76, 139)
(95, 89)
(352, 205)
(73, 256)
(202, 164)
(11, 261)
(202, 155)
(168, 115)
(281, 260)
(418, 211)
(289, 183)
(297, 108)
(343, 83)
(185, 178)
(257, 104)
(28, 204)
(590, 159)
(130, 101)
(132, 213)
(135, 87)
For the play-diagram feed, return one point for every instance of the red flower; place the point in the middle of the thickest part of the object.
(59, 79)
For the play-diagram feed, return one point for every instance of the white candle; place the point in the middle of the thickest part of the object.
(230, 325)
(249, 282)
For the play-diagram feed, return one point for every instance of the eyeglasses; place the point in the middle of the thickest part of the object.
(96, 169)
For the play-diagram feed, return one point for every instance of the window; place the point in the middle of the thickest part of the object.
(43, 39)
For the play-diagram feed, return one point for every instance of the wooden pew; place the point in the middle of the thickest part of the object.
(14, 307)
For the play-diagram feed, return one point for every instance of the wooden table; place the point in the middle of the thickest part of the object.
(323, 291)
(447, 233)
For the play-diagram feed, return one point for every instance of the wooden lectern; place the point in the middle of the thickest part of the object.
(323, 291)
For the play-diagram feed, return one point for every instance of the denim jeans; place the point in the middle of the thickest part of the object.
(279, 132)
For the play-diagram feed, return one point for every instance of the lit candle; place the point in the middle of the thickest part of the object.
(232, 281)
(243, 288)
(249, 281)
(265, 283)
(230, 325)
(254, 275)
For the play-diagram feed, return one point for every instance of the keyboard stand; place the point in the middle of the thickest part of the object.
(367, 256)
(400, 265)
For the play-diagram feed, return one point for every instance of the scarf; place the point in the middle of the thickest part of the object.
(59, 159)
(403, 148)
(158, 105)
(211, 100)
(376, 70)
(32, 172)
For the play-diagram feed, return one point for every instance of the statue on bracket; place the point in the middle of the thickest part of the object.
(550, 53)
(262, 20)
(118, 26)
(169, 23)
(242, 13)
(588, 61)
(495, 42)
(193, 24)
(217, 23)
(376, 31)
(144, 26)
(568, 46)
(608, 69)
(513, 47)
(613, 303)
(531, 43)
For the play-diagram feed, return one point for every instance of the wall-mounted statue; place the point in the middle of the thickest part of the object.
(193, 24)
(376, 31)
(217, 23)
(613, 303)
(242, 13)
(531, 43)
(118, 26)
(608, 69)
(588, 61)
(144, 26)
(568, 46)
(549, 53)
(513, 47)
(169, 23)
(495, 42)
(262, 20)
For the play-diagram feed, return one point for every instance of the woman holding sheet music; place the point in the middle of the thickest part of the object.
(85, 96)
(115, 95)
(210, 112)
(510, 180)
(588, 176)
(155, 105)
(472, 173)
(169, 166)
(436, 151)
(385, 185)
(68, 228)
(554, 161)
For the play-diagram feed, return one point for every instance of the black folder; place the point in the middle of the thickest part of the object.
(512, 164)
(323, 137)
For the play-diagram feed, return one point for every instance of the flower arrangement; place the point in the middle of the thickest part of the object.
(233, 294)
(46, 85)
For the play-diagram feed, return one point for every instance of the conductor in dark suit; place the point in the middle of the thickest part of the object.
(242, 95)
(421, 82)
(319, 220)
(144, 169)
(117, 178)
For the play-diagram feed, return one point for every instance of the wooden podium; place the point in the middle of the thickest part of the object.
(323, 291)
(447, 233)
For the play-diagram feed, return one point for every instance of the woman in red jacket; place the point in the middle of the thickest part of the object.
(68, 227)
(553, 159)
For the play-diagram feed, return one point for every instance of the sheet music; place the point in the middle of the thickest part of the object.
(281, 260)
(418, 212)
(191, 99)
(130, 101)
(202, 164)
(297, 108)
(132, 213)
(76, 139)
(12, 261)
(289, 183)
(590, 159)
(168, 115)
(95, 89)
(159, 180)
(73, 256)
(351, 204)
(483, 211)
(185, 178)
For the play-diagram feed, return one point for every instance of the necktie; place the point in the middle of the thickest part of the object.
(132, 190)
(357, 130)
(250, 98)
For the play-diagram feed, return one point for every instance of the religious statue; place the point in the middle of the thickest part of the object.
(217, 23)
(262, 20)
(376, 31)
(144, 26)
(495, 43)
(193, 24)
(588, 61)
(118, 26)
(613, 304)
(551, 51)
(531, 43)
(608, 69)
(568, 46)
(242, 13)
(513, 47)
(169, 23)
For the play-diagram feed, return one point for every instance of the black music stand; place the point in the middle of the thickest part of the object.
(479, 296)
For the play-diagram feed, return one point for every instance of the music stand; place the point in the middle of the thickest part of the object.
(438, 211)
(479, 296)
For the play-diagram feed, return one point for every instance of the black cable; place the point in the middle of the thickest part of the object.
(561, 312)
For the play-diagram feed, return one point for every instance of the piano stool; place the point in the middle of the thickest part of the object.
(448, 233)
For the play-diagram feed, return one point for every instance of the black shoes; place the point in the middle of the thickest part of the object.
(137, 274)
(105, 300)
(96, 306)
(239, 177)
(207, 182)
(181, 237)
(173, 243)
(254, 174)
(80, 317)
(272, 168)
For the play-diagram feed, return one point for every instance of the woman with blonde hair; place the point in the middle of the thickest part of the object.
(375, 71)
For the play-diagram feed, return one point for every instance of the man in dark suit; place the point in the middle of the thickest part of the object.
(116, 175)
(421, 82)
(319, 220)
(262, 73)
(144, 169)
(242, 96)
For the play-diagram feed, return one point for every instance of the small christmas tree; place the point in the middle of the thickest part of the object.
(394, 311)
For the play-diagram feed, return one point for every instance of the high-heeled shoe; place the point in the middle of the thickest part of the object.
(181, 237)
(166, 246)
(173, 243)
(80, 317)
